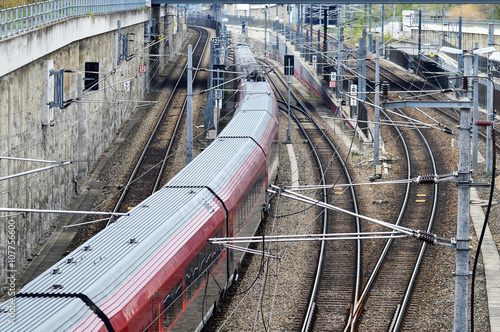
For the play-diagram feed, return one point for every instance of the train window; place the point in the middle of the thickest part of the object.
(201, 263)
(156, 323)
(172, 304)
(248, 204)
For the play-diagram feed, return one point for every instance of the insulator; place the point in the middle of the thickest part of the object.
(385, 89)
(426, 179)
(427, 237)
(448, 130)
(265, 211)
(465, 83)
(484, 123)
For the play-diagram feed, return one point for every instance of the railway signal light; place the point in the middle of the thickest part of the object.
(91, 76)
(289, 65)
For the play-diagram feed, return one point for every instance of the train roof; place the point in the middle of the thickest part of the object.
(120, 260)
(214, 169)
(28, 319)
(255, 90)
(106, 261)
(245, 60)
(243, 129)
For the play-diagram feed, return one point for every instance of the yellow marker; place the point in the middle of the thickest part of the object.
(420, 201)
(130, 208)
(432, 55)
(337, 188)
(421, 195)
(338, 193)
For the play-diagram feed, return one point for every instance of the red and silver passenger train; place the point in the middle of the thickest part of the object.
(154, 270)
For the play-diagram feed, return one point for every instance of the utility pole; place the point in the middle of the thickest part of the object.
(366, 11)
(489, 104)
(462, 239)
(289, 23)
(265, 31)
(463, 217)
(352, 18)
(300, 38)
(325, 43)
(289, 72)
(340, 59)
(462, 242)
(370, 32)
(189, 104)
(460, 56)
(383, 24)
(419, 37)
(443, 23)
(444, 15)
(311, 34)
(318, 56)
(301, 31)
(362, 112)
(362, 66)
(476, 112)
(376, 140)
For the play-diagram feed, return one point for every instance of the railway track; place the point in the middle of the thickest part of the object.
(384, 300)
(395, 269)
(394, 311)
(385, 303)
(338, 267)
(148, 172)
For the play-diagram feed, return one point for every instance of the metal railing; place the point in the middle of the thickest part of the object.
(465, 22)
(23, 18)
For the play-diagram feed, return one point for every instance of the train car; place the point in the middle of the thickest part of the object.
(154, 270)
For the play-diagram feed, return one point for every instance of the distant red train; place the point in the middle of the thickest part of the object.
(155, 270)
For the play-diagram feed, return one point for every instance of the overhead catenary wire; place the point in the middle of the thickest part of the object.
(7, 177)
(119, 101)
(12, 215)
(30, 159)
(226, 241)
(85, 223)
(425, 179)
(422, 125)
(30, 143)
(422, 235)
(420, 96)
(76, 99)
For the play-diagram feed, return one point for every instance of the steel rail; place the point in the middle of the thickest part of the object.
(397, 319)
(179, 119)
(133, 175)
(402, 308)
(307, 322)
(357, 306)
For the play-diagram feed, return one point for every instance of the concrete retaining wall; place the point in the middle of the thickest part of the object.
(81, 131)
